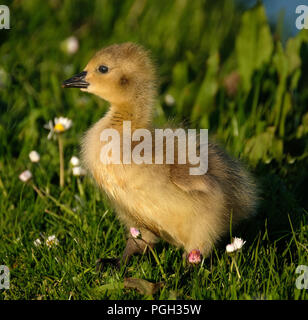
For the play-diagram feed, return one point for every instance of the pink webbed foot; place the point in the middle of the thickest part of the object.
(194, 257)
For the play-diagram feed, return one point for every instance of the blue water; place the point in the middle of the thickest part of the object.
(276, 7)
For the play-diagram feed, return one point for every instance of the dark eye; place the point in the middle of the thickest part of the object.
(103, 69)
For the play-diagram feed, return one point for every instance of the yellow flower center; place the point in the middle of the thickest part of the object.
(59, 127)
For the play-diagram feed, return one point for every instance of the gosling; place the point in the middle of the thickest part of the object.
(159, 200)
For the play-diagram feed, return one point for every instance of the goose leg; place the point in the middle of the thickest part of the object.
(133, 246)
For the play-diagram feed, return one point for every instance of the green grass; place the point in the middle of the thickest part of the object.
(196, 45)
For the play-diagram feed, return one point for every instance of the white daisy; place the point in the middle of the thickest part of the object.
(34, 156)
(60, 125)
(75, 161)
(169, 100)
(52, 241)
(71, 45)
(79, 171)
(37, 242)
(237, 244)
(25, 176)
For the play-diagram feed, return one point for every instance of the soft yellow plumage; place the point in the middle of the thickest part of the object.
(163, 201)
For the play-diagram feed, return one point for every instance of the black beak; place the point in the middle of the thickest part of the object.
(77, 81)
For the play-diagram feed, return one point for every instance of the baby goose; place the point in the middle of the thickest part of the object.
(160, 200)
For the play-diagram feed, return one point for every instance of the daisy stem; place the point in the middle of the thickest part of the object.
(80, 187)
(3, 188)
(231, 269)
(232, 265)
(60, 141)
(37, 190)
(62, 206)
(236, 267)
